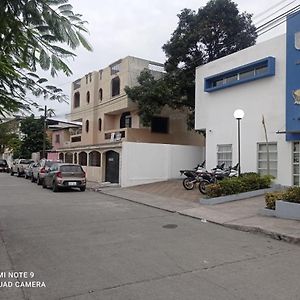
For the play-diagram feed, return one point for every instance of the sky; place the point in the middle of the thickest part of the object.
(139, 28)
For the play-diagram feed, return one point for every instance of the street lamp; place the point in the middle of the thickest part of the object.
(238, 115)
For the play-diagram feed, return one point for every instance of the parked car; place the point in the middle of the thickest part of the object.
(29, 170)
(4, 166)
(38, 173)
(65, 176)
(19, 165)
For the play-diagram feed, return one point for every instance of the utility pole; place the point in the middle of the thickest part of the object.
(44, 132)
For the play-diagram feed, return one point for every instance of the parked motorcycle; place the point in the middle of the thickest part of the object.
(218, 173)
(192, 176)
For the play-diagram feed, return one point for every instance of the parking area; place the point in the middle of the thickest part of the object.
(170, 189)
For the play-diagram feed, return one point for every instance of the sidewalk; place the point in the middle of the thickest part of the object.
(241, 215)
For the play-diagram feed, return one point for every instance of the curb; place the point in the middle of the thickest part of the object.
(137, 202)
(251, 229)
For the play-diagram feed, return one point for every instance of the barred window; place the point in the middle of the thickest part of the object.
(224, 154)
(262, 161)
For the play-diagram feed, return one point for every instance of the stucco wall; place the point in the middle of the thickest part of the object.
(214, 111)
(144, 162)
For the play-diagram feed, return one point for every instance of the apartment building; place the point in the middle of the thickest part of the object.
(111, 129)
(263, 81)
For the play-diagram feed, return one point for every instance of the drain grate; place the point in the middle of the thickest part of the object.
(170, 226)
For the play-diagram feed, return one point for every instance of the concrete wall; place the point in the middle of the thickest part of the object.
(145, 162)
(214, 110)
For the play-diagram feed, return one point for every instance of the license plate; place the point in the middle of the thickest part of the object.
(72, 183)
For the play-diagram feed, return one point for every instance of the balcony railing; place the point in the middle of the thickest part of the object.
(115, 135)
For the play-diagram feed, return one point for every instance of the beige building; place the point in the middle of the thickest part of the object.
(109, 118)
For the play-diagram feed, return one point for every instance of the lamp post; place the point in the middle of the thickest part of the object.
(238, 115)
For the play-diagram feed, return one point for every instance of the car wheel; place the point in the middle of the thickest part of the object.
(44, 185)
(11, 173)
(55, 187)
(82, 189)
(25, 176)
(39, 181)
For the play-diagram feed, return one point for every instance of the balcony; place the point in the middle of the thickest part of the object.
(76, 84)
(115, 135)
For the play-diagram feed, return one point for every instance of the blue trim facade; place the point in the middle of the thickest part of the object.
(292, 78)
(256, 70)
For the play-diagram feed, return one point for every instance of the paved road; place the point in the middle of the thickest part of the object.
(92, 246)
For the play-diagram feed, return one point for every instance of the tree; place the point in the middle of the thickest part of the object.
(8, 137)
(33, 131)
(216, 30)
(32, 36)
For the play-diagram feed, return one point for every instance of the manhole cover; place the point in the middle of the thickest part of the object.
(170, 226)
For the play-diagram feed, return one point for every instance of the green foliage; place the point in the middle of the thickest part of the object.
(292, 194)
(236, 185)
(148, 94)
(271, 198)
(33, 130)
(214, 190)
(214, 31)
(7, 136)
(31, 35)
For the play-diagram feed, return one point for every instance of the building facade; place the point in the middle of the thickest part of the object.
(109, 119)
(263, 81)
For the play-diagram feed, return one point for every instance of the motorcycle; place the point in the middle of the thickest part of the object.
(192, 176)
(218, 173)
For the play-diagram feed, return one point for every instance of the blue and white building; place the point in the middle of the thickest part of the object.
(263, 81)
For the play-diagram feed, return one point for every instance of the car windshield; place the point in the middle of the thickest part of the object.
(26, 161)
(71, 169)
(49, 163)
(3, 162)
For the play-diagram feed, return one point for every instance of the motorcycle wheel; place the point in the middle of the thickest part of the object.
(188, 183)
(202, 186)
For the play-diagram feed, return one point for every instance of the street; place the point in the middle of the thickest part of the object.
(86, 245)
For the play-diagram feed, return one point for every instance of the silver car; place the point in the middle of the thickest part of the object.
(65, 176)
(39, 172)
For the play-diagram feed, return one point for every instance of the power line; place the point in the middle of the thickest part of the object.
(278, 18)
(270, 8)
(275, 12)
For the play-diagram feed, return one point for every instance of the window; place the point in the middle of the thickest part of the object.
(76, 99)
(82, 157)
(100, 94)
(125, 120)
(86, 79)
(100, 124)
(94, 159)
(262, 160)
(69, 157)
(255, 70)
(224, 154)
(57, 138)
(75, 158)
(100, 74)
(88, 97)
(160, 125)
(296, 163)
(115, 86)
(61, 157)
(90, 77)
(115, 67)
(87, 125)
